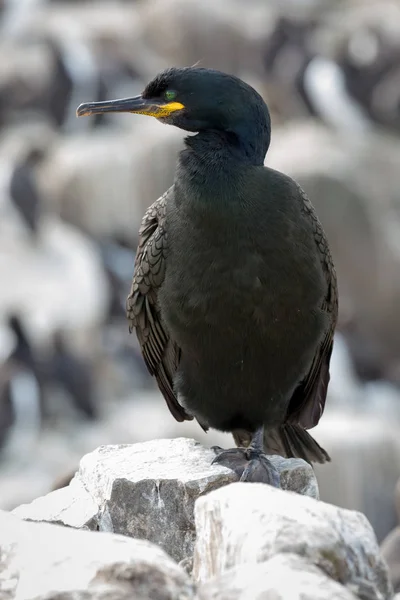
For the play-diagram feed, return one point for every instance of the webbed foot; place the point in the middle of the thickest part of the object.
(249, 464)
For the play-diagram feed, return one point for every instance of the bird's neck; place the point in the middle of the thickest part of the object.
(240, 145)
(207, 168)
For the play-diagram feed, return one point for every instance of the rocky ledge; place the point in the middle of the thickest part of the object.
(166, 525)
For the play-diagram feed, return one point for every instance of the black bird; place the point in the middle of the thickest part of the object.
(57, 96)
(24, 191)
(74, 375)
(21, 385)
(23, 351)
(286, 57)
(370, 64)
(234, 295)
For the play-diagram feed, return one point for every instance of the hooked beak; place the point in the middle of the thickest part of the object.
(137, 105)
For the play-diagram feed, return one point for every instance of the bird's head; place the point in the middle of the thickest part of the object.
(196, 99)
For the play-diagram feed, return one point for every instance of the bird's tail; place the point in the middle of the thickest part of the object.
(290, 440)
(294, 441)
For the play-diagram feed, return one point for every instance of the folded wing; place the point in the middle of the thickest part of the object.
(160, 352)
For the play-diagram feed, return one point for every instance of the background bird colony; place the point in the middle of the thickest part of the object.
(72, 193)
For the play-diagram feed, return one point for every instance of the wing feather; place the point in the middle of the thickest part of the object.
(308, 401)
(161, 354)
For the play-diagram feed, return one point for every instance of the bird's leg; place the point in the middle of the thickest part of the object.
(259, 467)
(251, 463)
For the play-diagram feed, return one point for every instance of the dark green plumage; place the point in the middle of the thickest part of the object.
(234, 295)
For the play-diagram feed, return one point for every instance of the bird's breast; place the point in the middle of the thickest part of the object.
(227, 272)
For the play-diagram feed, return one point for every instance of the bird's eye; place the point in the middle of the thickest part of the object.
(170, 95)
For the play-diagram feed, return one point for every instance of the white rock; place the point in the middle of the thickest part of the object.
(148, 491)
(244, 524)
(283, 577)
(145, 491)
(71, 506)
(43, 562)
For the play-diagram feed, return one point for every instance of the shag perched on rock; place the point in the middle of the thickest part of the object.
(234, 294)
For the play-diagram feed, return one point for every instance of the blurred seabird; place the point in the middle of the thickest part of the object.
(74, 375)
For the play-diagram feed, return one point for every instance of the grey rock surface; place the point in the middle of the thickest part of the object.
(39, 561)
(340, 542)
(145, 491)
(282, 577)
(148, 491)
(296, 475)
